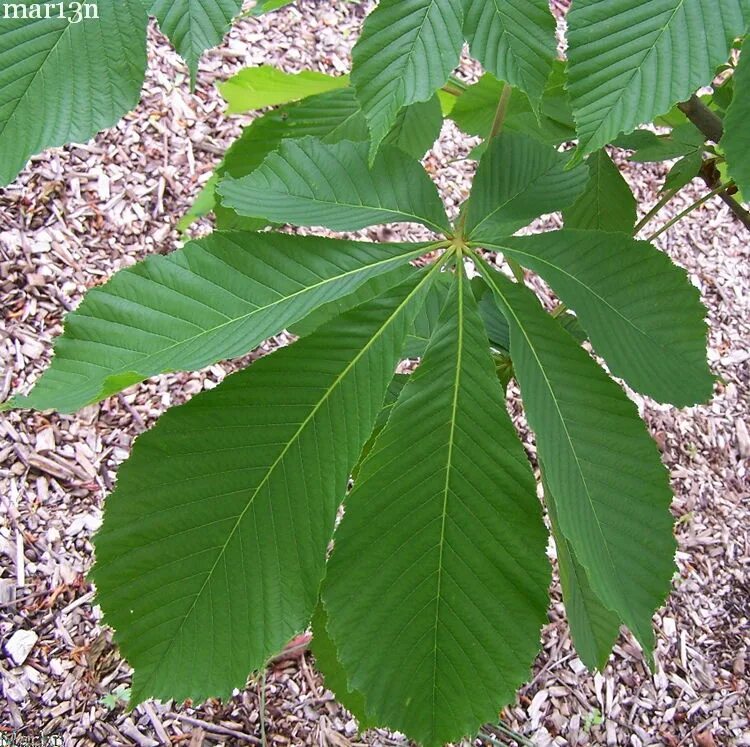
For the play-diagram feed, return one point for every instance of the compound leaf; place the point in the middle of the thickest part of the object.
(736, 139)
(519, 179)
(514, 40)
(216, 298)
(641, 312)
(407, 51)
(62, 82)
(607, 203)
(612, 492)
(308, 182)
(441, 545)
(632, 61)
(214, 542)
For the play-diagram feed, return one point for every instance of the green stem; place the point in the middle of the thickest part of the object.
(502, 110)
(689, 209)
(666, 197)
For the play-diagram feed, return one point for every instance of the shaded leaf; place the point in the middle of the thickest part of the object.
(213, 545)
(475, 110)
(641, 312)
(62, 82)
(328, 664)
(431, 563)
(612, 492)
(594, 628)
(216, 298)
(630, 62)
(519, 179)
(607, 204)
(308, 182)
(736, 139)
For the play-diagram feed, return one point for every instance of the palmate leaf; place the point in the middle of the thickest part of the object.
(514, 40)
(62, 81)
(407, 51)
(518, 179)
(193, 26)
(632, 61)
(611, 491)
(216, 298)
(594, 628)
(308, 182)
(257, 87)
(736, 139)
(437, 587)
(641, 312)
(214, 542)
(607, 203)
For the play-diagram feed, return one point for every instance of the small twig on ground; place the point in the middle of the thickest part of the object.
(215, 728)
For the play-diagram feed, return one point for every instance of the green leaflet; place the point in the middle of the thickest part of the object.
(684, 171)
(193, 26)
(630, 62)
(612, 492)
(332, 117)
(391, 397)
(328, 664)
(214, 542)
(308, 182)
(266, 6)
(736, 139)
(407, 51)
(428, 317)
(594, 628)
(367, 291)
(514, 40)
(216, 298)
(641, 312)
(63, 82)
(441, 546)
(607, 204)
(258, 87)
(475, 110)
(519, 179)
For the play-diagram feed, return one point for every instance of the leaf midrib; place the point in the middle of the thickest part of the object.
(449, 462)
(303, 425)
